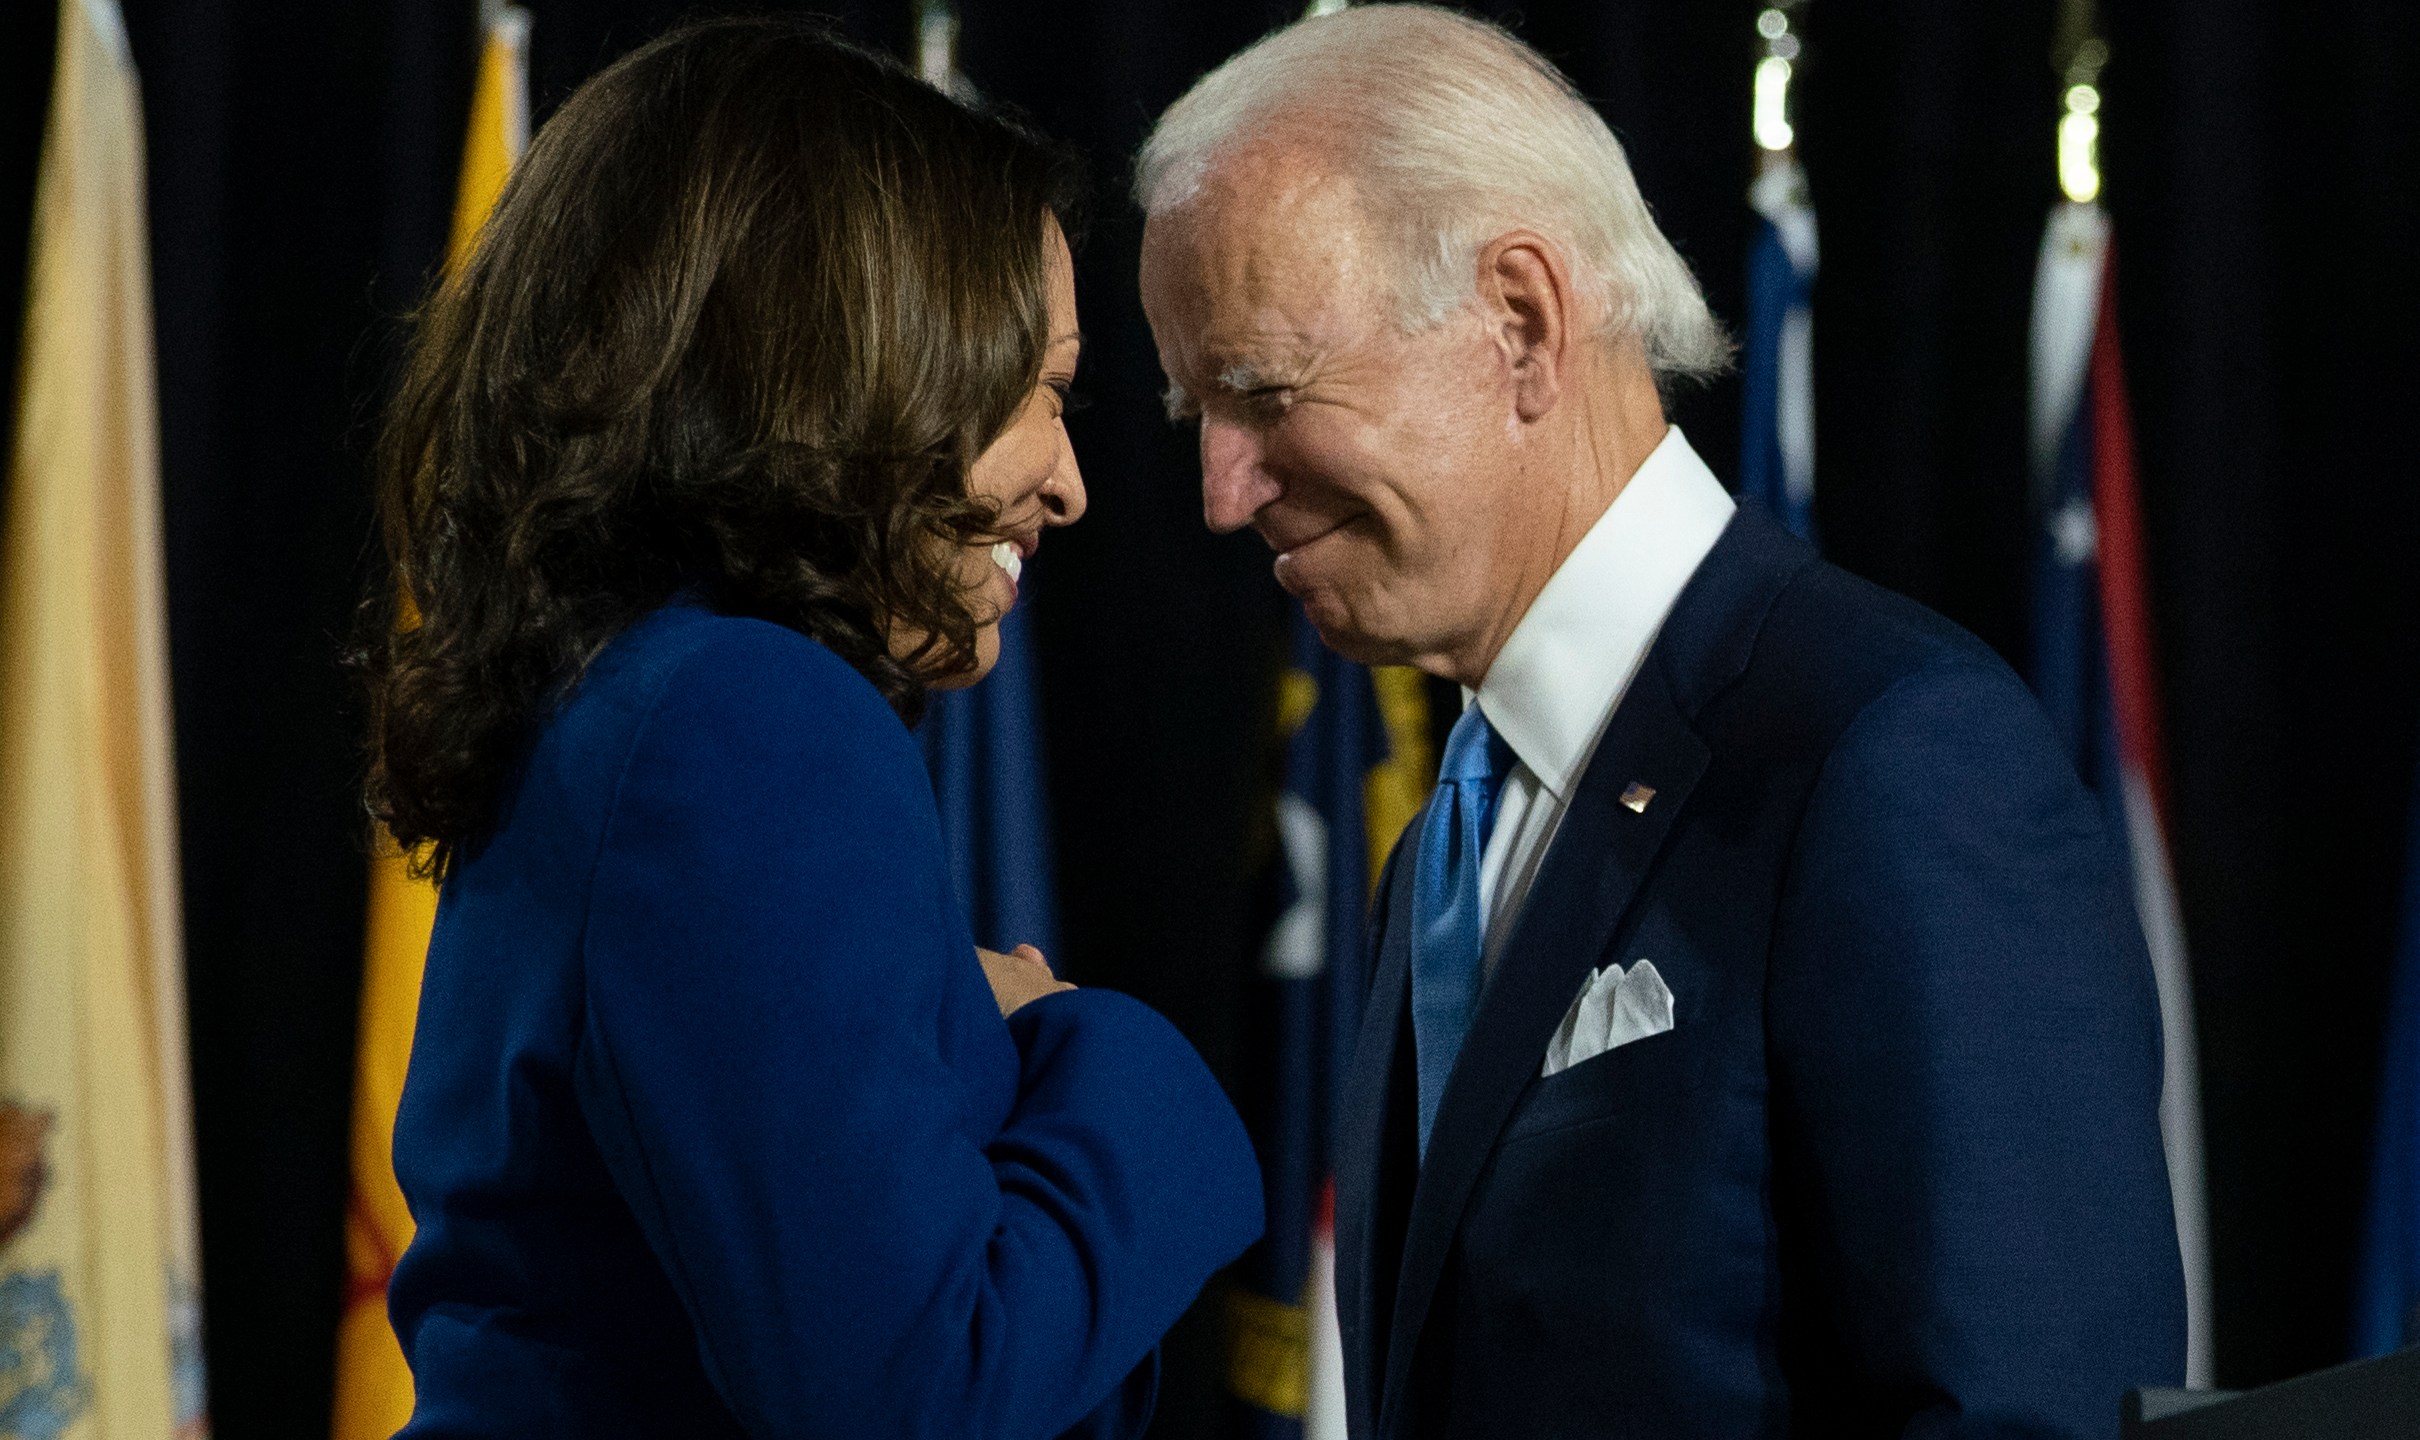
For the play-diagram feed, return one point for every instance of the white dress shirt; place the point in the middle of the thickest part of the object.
(1571, 658)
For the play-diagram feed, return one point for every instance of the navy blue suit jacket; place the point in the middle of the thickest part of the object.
(1896, 1168)
(714, 1128)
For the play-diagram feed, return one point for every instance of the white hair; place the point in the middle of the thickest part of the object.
(1453, 132)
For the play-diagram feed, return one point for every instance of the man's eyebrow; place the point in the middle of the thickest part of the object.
(1241, 378)
(1178, 404)
(1246, 377)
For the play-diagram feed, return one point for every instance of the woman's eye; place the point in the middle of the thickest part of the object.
(1070, 401)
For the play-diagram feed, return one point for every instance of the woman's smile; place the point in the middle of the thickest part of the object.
(1010, 562)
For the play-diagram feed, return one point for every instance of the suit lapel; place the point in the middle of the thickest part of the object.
(1591, 873)
(1362, 1290)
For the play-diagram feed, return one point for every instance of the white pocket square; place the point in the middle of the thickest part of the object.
(1615, 1007)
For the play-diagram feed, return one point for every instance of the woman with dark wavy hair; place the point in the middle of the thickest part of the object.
(726, 446)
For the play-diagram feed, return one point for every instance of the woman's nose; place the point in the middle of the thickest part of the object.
(1063, 497)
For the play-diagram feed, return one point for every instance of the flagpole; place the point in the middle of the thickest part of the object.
(1777, 370)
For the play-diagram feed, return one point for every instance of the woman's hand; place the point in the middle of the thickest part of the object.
(1020, 977)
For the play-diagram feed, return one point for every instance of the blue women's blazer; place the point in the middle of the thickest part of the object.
(1896, 1168)
(714, 1128)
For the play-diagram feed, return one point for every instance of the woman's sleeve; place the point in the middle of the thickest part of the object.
(766, 959)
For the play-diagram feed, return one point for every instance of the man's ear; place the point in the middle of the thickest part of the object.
(1525, 293)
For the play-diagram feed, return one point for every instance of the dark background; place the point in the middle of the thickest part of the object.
(2262, 172)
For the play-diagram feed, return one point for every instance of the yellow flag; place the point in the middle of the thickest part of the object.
(499, 129)
(1399, 785)
(100, 1325)
(373, 1385)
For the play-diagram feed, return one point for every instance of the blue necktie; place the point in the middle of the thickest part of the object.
(1446, 925)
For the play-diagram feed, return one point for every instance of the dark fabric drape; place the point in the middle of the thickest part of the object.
(570, 40)
(2262, 176)
(1926, 132)
(2265, 178)
(300, 173)
(27, 36)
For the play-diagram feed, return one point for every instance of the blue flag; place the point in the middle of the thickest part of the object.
(1354, 772)
(2386, 1309)
(1777, 362)
(983, 746)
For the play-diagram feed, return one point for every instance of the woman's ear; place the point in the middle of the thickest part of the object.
(1525, 293)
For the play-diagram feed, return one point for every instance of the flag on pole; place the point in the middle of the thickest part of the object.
(2093, 662)
(2386, 1301)
(373, 1384)
(100, 1298)
(499, 125)
(983, 748)
(1357, 769)
(1777, 360)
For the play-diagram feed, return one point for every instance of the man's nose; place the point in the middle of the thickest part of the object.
(1235, 484)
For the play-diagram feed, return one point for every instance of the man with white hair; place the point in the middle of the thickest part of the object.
(1761, 1041)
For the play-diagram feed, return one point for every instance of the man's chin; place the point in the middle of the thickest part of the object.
(1338, 632)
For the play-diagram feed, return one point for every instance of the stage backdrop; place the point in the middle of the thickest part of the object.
(2262, 179)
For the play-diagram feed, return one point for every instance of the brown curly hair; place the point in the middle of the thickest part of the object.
(745, 314)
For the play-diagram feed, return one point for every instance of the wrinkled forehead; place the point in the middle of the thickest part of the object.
(1269, 241)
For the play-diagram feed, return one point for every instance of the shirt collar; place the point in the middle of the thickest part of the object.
(1573, 654)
